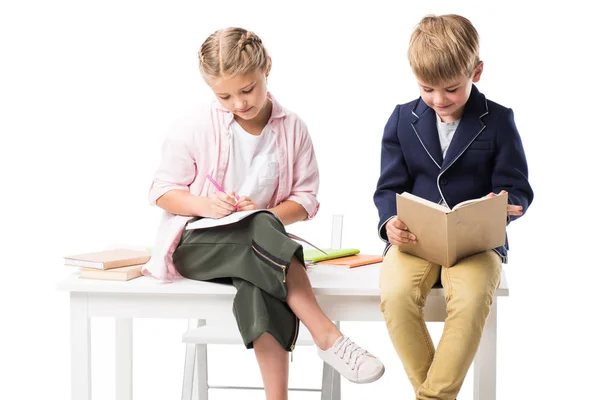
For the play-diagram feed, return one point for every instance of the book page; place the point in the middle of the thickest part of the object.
(428, 224)
(425, 202)
(206, 222)
(467, 202)
(471, 201)
(479, 227)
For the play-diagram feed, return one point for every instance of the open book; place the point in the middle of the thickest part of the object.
(206, 222)
(445, 236)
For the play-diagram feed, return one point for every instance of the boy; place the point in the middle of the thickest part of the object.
(450, 145)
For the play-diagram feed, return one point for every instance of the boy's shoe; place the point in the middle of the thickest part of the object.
(352, 362)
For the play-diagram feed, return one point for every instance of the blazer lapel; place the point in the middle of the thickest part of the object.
(425, 128)
(470, 126)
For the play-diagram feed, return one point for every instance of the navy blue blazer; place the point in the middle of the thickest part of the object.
(485, 155)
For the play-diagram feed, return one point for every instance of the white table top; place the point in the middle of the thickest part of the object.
(326, 280)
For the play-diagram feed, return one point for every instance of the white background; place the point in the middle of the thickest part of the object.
(89, 88)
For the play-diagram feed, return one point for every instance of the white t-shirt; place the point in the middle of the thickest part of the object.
(446, 132)
(253, 168)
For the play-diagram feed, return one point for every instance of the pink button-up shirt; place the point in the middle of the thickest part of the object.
(199, 144)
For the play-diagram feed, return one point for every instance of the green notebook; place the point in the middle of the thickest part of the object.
(313, 255)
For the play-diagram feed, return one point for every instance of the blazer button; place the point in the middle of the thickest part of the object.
(443, 181)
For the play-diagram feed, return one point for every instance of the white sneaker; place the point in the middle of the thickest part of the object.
(352, 362)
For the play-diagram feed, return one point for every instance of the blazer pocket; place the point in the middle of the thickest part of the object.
(481, 145)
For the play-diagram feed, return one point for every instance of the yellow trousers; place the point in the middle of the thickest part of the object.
(469, 286)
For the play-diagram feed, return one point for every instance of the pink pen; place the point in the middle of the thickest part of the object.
(219, 188)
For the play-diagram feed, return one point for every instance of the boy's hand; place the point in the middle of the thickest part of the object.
(245, 204)
(511, 209)
(398, 233)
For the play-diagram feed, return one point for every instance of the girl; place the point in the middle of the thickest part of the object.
(263, 156)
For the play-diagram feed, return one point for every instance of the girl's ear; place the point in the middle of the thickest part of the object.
(478, 72)
(269, 63)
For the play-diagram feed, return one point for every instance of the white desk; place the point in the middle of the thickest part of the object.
(344, 294)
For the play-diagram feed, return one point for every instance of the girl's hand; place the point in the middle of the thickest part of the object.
(245, 204)
(510, 209)
(219, 205)
(398, 233)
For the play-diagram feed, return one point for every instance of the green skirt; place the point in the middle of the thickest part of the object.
(254, 255)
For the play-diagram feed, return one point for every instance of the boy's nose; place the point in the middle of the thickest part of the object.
(439, 98)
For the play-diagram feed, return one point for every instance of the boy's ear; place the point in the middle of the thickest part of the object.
(478, 71)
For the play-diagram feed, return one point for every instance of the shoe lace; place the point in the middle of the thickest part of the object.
(349, 351)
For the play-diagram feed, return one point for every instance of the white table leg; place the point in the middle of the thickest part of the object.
(188, 372)
(337, 384)
(124, 358)
(81, 370)
(484, 369)
(331, 383)
(201, 375)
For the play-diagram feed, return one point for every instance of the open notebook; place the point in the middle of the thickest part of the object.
(232, 218)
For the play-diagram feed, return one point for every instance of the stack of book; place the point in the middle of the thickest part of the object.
(340, 257)
(113, 264)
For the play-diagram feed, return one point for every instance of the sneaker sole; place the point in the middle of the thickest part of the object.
(371, 378)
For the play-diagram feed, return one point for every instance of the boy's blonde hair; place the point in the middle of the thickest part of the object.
(231, 51)
(443, 48)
